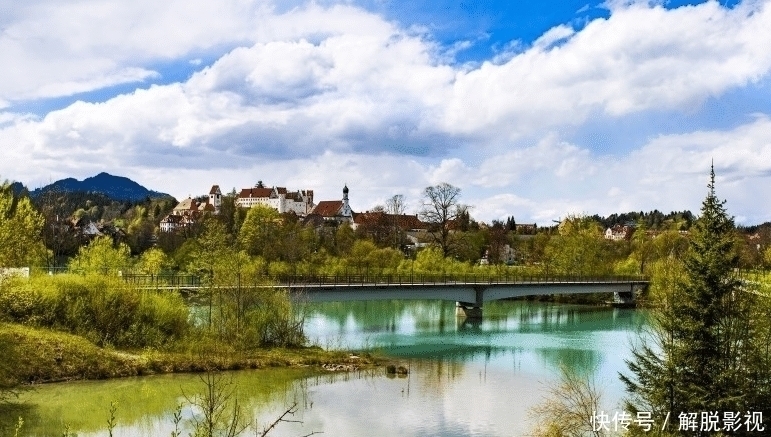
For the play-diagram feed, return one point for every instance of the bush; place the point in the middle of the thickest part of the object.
(252, 317)
(105, 310)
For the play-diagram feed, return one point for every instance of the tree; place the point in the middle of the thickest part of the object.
(102, 256)
(21, 230)
(569, 407)
(579, 248)
(497, 239)
(220, 412)
(767, 257)
(152, 261)
(395, 207)
(344, 239)
(259, 232)
(441, 208)
(706, 349)
(141, 234)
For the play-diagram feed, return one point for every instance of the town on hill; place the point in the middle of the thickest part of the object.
(76, 212)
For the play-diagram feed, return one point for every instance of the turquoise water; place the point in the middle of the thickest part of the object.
(466, 378)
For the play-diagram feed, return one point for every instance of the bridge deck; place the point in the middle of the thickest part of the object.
(476, 290)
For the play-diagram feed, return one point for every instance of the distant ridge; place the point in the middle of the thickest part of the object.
(17, 188)
(114, 187)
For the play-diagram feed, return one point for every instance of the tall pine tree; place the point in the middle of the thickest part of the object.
(701, 354)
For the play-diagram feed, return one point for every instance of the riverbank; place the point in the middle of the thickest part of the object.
(37, 355)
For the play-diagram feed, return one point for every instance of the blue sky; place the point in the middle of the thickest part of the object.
(534, 109)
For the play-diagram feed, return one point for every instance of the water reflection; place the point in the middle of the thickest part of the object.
(467, 378)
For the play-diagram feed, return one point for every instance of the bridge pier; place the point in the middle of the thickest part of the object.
(468, 310)
(627, 298)
(471, 310)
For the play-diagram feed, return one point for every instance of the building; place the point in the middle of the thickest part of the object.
(299, 202)
(188, 211)
(215, 198)
(619, 232)
(336, 211)
(172, 222)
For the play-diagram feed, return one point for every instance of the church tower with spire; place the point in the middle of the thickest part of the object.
(345, 211)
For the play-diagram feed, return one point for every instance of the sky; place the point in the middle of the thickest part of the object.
(534, 109)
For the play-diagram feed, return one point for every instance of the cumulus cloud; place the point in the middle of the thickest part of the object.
(669, 172)
(553, 36)
(61, 48)
(641, 58)
(317, 96)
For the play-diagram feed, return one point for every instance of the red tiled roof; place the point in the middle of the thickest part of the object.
(215, 189)
(255, 192)
(328, 208)
(406, 222)
(281, 190)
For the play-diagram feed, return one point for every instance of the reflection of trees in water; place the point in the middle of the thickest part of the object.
(369, 315)
(523, 316)
(436, 374)
(10, 413)
(141, 402)
(386, 316)
(582, 361)
(499, 316)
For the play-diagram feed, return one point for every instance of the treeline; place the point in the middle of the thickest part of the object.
(286, 244)
(653, 220)
(67, 216)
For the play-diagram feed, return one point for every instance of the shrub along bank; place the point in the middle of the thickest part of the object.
(36, 355)
(63, 327)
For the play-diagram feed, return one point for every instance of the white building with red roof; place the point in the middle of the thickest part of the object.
(334, 210)
(300, 202)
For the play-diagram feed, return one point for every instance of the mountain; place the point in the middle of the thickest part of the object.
(17, 188)
(114, 187)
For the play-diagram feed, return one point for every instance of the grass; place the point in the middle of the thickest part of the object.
(39, 355)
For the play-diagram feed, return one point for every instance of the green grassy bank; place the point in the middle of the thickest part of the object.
(39, 355)
(68, 327)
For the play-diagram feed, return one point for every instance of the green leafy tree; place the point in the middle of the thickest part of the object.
(360, 257)
(260, 231)
(21, 231)
(579, 248)
(669, 244)
(101, 256)
(208, 248)
(344, 239)
(704, 352)
(153, 261)
(141, 233)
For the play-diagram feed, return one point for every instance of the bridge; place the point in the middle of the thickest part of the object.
(470, 292)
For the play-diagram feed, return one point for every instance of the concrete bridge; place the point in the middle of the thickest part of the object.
(469, 296)
(470, 292)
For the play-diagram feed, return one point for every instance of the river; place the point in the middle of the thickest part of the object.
(465, 379)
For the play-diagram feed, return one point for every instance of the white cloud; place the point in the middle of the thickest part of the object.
(553, 36)
(127, 75)
(641, 58)
(54, 44)
(316, 97)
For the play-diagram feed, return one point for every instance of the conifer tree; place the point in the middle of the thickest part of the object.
(700, 355)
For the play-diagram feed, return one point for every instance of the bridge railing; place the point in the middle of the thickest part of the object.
(448, 279)
(176, 280)
(163, 280)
